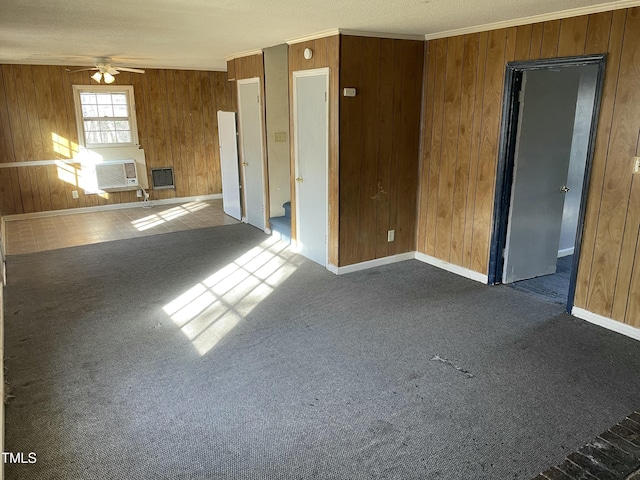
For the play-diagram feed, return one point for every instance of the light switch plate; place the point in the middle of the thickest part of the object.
(636, 164)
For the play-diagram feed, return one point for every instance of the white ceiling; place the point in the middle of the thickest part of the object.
(200, 34)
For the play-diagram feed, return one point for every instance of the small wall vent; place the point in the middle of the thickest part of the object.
(162, 178)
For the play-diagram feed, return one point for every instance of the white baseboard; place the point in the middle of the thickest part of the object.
(465, 272)
(333, 269)
(115, 206)
(450, 267)
(371, 263)
(606, 322)
(565, 252)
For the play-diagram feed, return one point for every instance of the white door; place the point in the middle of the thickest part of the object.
(228, 138)
(251, 147)
(311, 137)
(543, 151)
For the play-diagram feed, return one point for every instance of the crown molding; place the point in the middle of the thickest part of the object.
(354, 33)
(313, 36)
(248, 53)
(395, 36)
(545, 17)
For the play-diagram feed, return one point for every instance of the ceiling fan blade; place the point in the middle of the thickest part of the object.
(81, 70)
(113, 71)
(133, 70)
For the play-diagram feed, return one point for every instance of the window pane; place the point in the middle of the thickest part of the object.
(86, 98)
(105, 111)
(106, 116)
(120, 111)
(93, 137)
(91, 126)
(123, 137)
(108, 137)
(104, 98)
(119, 99)
(89, 111)
(107, 125)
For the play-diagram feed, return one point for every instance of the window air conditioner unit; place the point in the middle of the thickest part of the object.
(117, 174)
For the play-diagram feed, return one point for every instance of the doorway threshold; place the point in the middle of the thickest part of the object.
(552, 288)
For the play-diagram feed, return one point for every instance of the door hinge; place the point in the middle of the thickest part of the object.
(257, 98)
(325, 96)
(521, 96)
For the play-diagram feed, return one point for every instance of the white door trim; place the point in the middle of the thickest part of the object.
(326, 71)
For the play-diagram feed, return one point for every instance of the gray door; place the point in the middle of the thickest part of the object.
(311, 149)
(250, 121)
(543, 150)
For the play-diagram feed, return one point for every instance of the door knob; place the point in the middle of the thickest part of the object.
(564, 189)
(299, 179)
(244, 164)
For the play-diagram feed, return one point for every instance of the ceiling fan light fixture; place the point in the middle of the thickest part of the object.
(97, 77)
(108, 78)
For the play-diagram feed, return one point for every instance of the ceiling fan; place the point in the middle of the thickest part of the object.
(106, 71)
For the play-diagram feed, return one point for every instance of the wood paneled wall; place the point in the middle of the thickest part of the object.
(461, 115)
(379, 146)
(326, 53)
(246, 67)
(241, 69)
(177, 125)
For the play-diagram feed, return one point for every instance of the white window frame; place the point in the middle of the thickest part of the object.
(133, 124)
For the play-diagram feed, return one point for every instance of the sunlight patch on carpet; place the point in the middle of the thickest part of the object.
(209, 310)
(165, 216)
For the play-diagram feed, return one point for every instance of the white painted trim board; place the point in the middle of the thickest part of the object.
(565, 252)
(378, 262)
(606, 322)
(247, 53)
(116, 206)
(516, 22)
(450, 267)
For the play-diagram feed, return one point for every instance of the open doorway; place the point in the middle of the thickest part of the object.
(276, 82)
(549, 121)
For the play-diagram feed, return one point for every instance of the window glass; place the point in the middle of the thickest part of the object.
(106, 116)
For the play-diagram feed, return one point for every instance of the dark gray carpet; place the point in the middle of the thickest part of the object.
(400, 372)
(553, 288)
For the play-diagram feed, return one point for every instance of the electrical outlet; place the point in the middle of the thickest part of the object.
(636, 165)
(74, 194)
(391, 235)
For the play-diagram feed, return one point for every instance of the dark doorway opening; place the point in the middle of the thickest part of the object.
(550, 113)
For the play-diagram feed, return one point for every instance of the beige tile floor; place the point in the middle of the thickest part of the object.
(60, 231)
